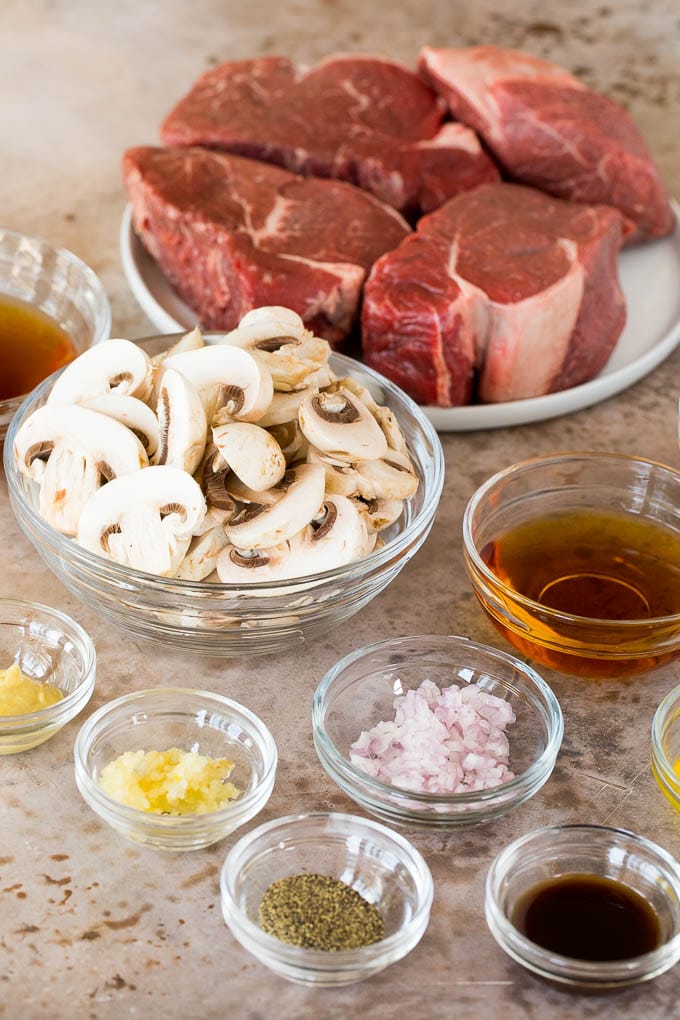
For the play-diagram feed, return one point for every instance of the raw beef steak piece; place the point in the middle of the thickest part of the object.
(231, 234)
(360, 119)
(503, 287)
(549, 130)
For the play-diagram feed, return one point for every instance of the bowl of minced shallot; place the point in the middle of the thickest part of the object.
(436, 731)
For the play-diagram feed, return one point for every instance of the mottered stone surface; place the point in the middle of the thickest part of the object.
(95, 928)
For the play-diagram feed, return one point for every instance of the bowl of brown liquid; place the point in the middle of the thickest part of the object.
(587, 906)
(52, 307)
(576, 560)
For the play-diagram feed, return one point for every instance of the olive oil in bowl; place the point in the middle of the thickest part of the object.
(32, 346)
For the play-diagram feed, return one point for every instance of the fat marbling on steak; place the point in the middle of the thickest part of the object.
(503, 293)
(361, 119)
(551, 131)
(231, 234)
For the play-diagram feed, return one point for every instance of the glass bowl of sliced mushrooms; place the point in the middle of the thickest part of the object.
(228, 493)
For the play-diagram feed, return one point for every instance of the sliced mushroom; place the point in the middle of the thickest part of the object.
(258, 526)
(72, 451)
(182, 420)
(131, 412)
(339, 535)
(340, 423)
(279, 338)
(192, 341)
(289, 436)
(202, 555)
(379, 513)
(383, 415)
(214, 518)
(341, 476)
(144, 521)
(112, 366)
(390, 477)
(248, 566)
(251, 453)
(230, 382)
(283, 408)
(212, 476)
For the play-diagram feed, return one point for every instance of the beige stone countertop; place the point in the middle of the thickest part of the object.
(94, 927)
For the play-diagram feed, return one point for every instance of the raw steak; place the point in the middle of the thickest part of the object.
(360, 119)
(231, 234)
(549, 130)
(504, 287)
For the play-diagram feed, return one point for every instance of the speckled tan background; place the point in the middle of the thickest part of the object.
(94, 928)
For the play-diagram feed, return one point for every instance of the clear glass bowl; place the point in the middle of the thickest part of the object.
(359, 692)
(665, 753)
(594, 850)
(381, 865)
(164, 717)
(228, 620)
(533, 489)
(58, 283)
(52, 648)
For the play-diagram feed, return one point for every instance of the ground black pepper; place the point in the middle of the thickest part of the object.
(319, 912)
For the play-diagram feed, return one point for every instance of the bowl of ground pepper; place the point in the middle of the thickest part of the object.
(326, 899)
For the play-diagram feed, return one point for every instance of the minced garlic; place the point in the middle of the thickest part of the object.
(20, 694)
(172, 782)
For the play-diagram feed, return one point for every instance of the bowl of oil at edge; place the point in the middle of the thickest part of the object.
(543, 548)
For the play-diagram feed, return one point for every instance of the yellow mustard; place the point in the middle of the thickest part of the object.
(172, 782)
(20, 694)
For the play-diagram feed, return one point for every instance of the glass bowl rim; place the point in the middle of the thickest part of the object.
(78, 636)
(376, 560)
(524, 601)
(408, 855)
(386, 791)
(595, 972)
(659, 758)
(96, 722)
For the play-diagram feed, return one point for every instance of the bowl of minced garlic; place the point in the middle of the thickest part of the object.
(47, 673)
(175, 768)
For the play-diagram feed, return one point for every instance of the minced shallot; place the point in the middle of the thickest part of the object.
(441, 741)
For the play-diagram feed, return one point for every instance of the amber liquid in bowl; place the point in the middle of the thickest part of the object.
(32, 346)
(592, 564)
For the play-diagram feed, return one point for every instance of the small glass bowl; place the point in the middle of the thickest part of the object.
(665, 751)
(164, 717)
(381, 865)
(227, 619)
(594, 850)
(359, 691)
(58, 283)
(52, 648)
(533, 489)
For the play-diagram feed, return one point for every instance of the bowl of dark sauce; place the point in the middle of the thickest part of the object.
(52, 308)
(586, 906)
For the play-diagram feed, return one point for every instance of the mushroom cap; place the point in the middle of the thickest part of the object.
(259, 526)
(131, 412)
(278, 337)
(389, 477)
(146, 521)
(111, 366)
(284, 407)
(339, 422)
(201, 557)
(182, 421)
(248, 566)
(72, 451)
(229, 381)
(251, 453)
(338, 537)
